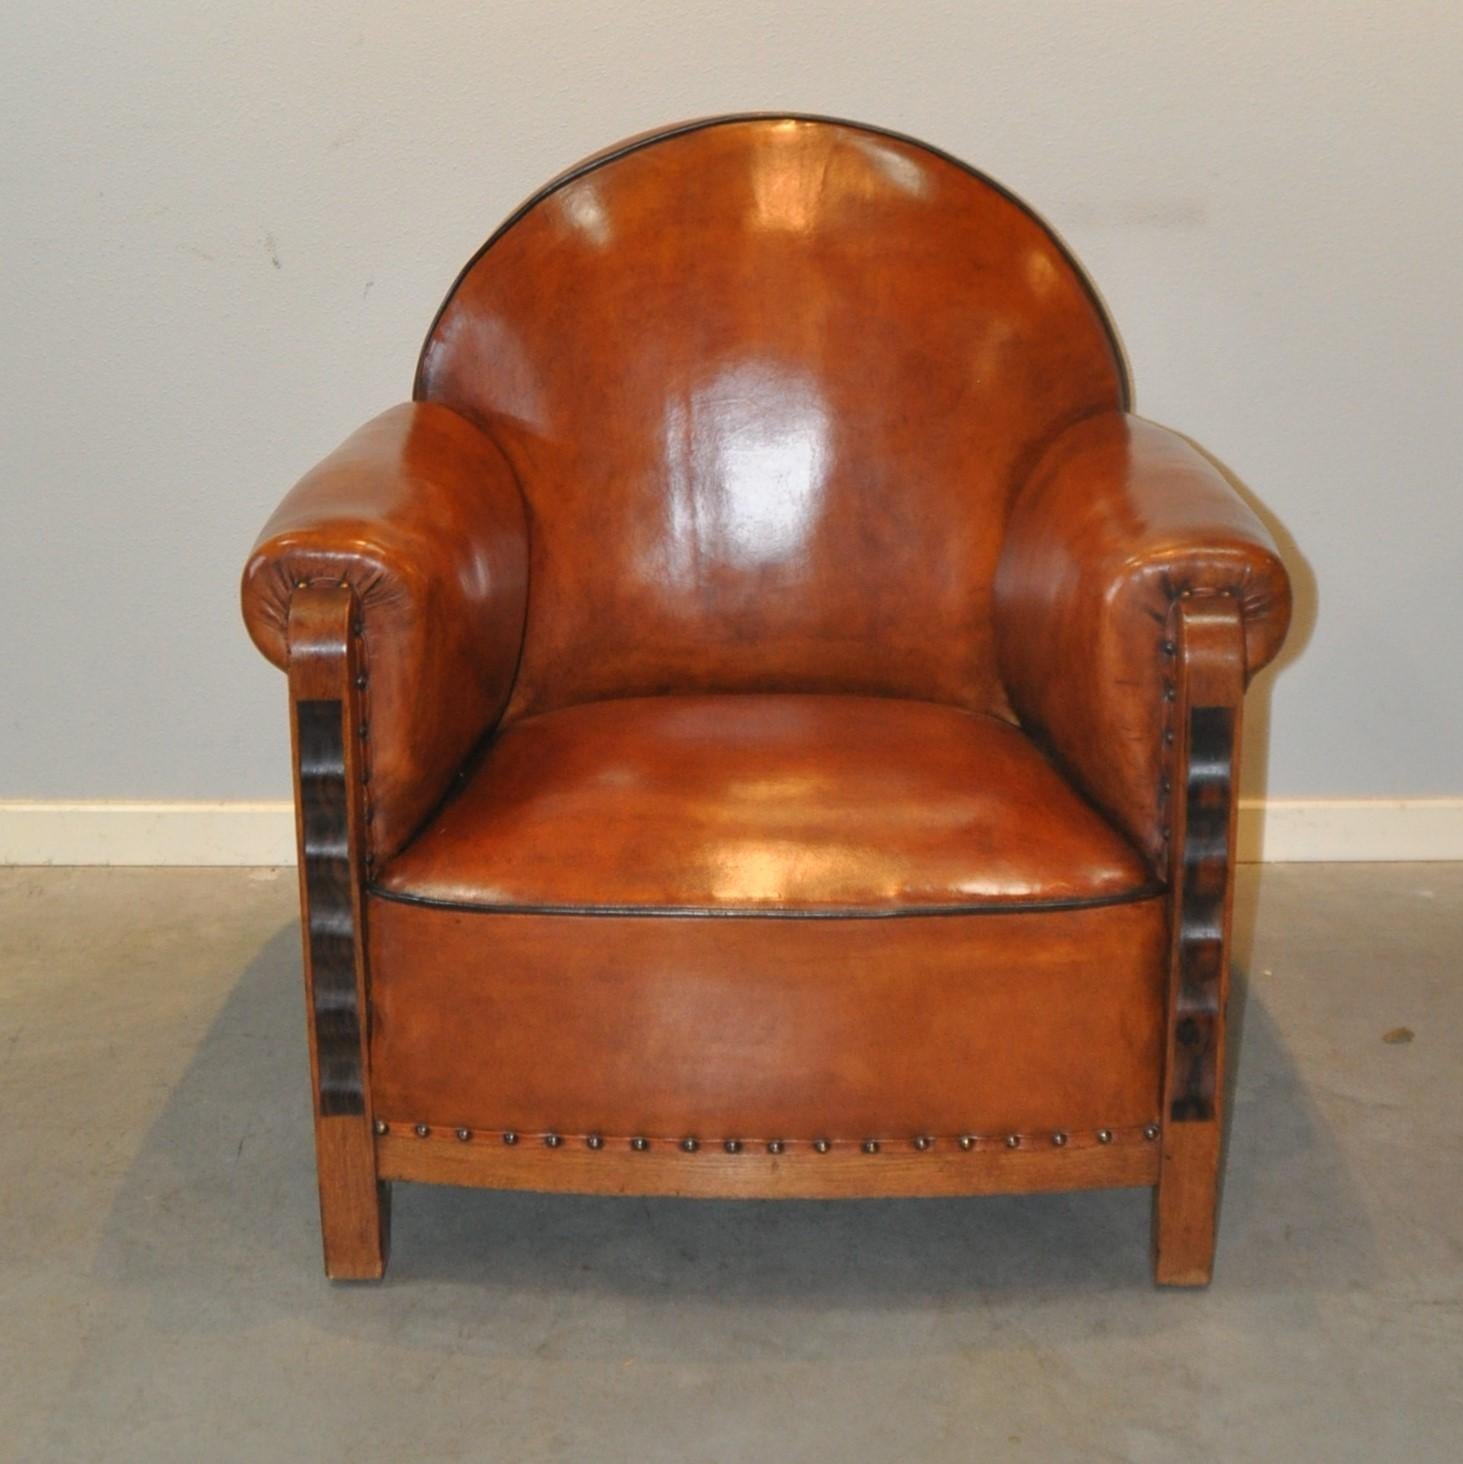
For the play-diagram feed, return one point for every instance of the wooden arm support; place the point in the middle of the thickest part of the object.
(1208, 692)
(330, 773)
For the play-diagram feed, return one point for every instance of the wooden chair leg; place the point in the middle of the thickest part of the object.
(355, 1208)
(1207, 642)
(1186, 1205)
(325, 711)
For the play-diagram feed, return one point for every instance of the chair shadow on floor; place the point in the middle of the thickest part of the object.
(215, 1222)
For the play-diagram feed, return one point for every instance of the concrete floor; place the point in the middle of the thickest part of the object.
(161, 1296)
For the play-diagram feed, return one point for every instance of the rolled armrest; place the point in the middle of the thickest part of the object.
(419, 512)
(1118, 520)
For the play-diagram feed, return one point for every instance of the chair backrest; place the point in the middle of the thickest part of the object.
(767, 384)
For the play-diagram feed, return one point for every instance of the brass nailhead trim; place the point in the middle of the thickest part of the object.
(689, 1144)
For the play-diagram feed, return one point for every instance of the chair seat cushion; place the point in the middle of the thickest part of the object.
(517, 986)
(758, 804)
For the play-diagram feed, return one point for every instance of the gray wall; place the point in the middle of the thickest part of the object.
(226, 226)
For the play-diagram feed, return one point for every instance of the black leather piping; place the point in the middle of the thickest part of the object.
(748, 912)
(1125, 386)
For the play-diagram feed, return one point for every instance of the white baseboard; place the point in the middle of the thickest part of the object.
(1350, 830)
(147, 833)
(1286, 830)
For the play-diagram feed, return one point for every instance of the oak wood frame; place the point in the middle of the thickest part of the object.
(1208, 695)
(843, 1169)
(325, 681)
(357, 1156)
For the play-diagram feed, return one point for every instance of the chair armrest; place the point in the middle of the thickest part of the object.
(421, 515)
(1118, 521)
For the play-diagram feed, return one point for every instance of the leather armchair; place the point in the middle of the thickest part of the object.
(765, 714)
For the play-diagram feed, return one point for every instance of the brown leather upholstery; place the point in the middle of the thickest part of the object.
(419, 513)
(768, 386)
(756, 1028)
(1119, 521)
(784, 803)
(767, 690)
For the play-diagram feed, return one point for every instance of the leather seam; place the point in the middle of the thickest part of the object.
(1147, 891)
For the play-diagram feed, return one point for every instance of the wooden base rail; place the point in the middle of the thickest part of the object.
(964, 1164)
